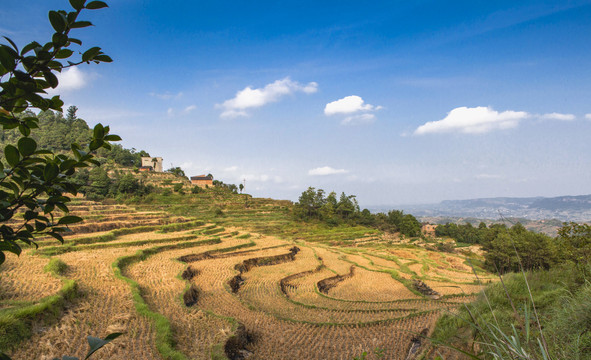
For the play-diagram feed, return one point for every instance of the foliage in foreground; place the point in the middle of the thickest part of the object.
(34, 182)
(509, 322)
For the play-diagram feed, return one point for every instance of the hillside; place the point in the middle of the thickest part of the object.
(221, 275)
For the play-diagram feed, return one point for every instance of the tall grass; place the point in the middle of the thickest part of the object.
(543, 314)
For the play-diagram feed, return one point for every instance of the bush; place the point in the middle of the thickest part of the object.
(516, 247)
(56, 266)
(178, 187)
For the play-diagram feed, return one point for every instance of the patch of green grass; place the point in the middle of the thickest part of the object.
(56, 266)
(180, 226)
(57, 250)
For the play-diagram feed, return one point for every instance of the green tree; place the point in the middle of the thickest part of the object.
(309, 204)
(36, 182)
(517, 247)
(241, 187)
(347, 206)
(177, 171)
(71, 114)
(575, 242)
(128, 184)
(410, 226)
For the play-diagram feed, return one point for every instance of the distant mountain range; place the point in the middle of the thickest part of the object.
(564, 208)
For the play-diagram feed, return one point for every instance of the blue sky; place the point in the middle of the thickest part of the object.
(396, 102)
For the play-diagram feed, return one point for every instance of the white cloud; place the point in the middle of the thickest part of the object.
(71, 79)
(476, 120)
(348, 105)
(231, 168)
(258, 178)
(588, 116)
(170, 112)
(250, 98)
(326, 170)
(558, 116)
(190, 108)
(488, 176)
(167, 95)
(359, 119)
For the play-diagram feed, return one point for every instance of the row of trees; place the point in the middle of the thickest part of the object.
(465, 233)
(514, 248)
(314, 204)
(96, 184)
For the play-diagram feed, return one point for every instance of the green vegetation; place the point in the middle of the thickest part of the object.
(57, 132)
(56, 266)
(313, 205)
(562, 302)
(36, 180)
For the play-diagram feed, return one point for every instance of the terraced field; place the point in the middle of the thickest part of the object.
(247, 284)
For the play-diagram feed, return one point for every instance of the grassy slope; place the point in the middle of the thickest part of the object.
(266, 216)
(562, 298)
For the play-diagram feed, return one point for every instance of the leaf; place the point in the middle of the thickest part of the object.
(64, 54)
(69, 219)
(68, 164)
(12, 155)
(96, 343)
(59, 40)
(62, 207)
(91, 53)
(99, 131)
(29, 47)
(25, 130)
(80, 24)
(93, 5)
(57, 20)
(103, 58)
(77, 4)
(6, 58)
(50, 78)
(11, 43)
(75, 41)
(27, 146)
(95, 144)
(57, 236)
(113, 138)
(51, 171)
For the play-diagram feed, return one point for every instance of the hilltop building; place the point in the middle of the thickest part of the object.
(202, 181)
(155, 163)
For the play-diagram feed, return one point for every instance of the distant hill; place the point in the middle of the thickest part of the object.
(563, 208)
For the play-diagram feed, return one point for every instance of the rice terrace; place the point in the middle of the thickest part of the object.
(246, 284)
(461, 128)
